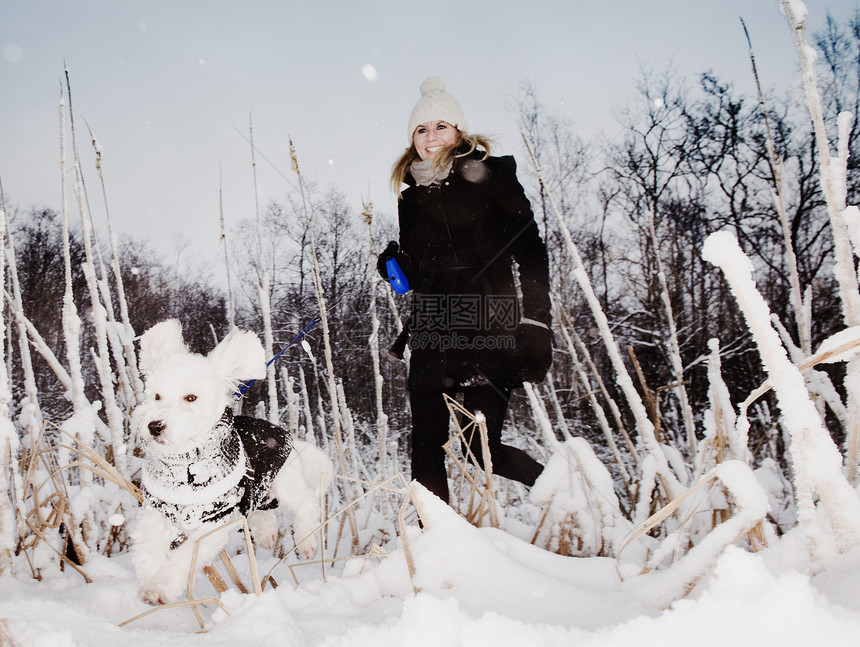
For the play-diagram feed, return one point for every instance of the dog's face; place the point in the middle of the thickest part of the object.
(184, 401)
(186, 393)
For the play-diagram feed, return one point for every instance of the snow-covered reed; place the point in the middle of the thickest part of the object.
(833, 178)
(263, 296)
(11, 507)
(816, 459)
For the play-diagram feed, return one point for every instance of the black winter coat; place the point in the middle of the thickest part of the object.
(462, 237)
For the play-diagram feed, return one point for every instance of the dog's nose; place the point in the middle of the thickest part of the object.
(155, 428)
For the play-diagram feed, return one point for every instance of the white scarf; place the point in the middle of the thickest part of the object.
(426, 173)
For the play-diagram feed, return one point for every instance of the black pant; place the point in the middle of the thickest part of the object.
(430, 431)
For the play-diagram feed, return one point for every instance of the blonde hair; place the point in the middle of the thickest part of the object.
(464, 145)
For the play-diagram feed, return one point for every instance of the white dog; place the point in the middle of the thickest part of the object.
(205, 466)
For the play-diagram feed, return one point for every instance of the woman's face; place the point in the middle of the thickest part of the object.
(429, 138)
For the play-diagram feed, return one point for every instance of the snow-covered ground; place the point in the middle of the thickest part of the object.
(471, 587)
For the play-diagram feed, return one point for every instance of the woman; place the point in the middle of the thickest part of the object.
(463, 219)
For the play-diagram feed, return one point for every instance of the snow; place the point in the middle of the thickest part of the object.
(847, 337)
(472, 586)
(579, 493)
(797, 8)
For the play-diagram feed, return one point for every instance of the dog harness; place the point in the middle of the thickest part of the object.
(234, 472)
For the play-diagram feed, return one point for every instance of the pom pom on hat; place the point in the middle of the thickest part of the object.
(435, 104)
(431, 85)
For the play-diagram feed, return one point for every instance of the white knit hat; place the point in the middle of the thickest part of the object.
(435, 105)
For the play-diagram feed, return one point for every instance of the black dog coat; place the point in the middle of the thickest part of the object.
(234, 472)
(267, 448)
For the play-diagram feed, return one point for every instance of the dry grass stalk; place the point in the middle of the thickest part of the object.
(228, 564)
(569, 540)
(570, 329)
(215, 578)
(100, 465)
(373, 342)
(542, 521)
(565, 532)
(808, 363)
(38, 531)
(232, 572)
(39, 522)
(7, 636)
(375, 552)
(649, 394)
(622, 376)
(754, 533)
(573, 341)
(664, 513)
(383, 485)
(175, 605)
(757, 537)
(406, 491)
(481, 496)
(59, 510)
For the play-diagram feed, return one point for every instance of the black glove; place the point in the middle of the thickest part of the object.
(534, 350)
(403, 260)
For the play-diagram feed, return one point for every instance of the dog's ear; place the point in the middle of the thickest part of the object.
(160, 342)
(239, 356)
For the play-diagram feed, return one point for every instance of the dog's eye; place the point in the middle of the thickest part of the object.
(158, 396)
(190, 397)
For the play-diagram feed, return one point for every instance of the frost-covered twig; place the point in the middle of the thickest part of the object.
(720, 440)
(263, 294)
(127, 362)
(113, 413)
(541, 418)
(373, 341)
(231, 307)
(293, 402)
(30, 417)
(10, 476)
(306, 399)
(71, 319)
(674, 346)
(801, 311)
(569, 333)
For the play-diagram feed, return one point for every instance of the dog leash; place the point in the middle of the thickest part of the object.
(247, 385)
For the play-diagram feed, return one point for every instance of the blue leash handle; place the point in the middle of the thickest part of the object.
(396, 277)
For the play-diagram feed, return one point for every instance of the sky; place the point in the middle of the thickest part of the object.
(171, 87)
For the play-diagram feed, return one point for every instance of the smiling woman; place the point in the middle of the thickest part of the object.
(464, 219)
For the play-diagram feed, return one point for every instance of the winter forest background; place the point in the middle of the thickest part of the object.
(660, 361)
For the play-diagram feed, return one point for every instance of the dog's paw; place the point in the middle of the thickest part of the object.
(307, 548)
(266, 540)
(264, 528)
(154, 594)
